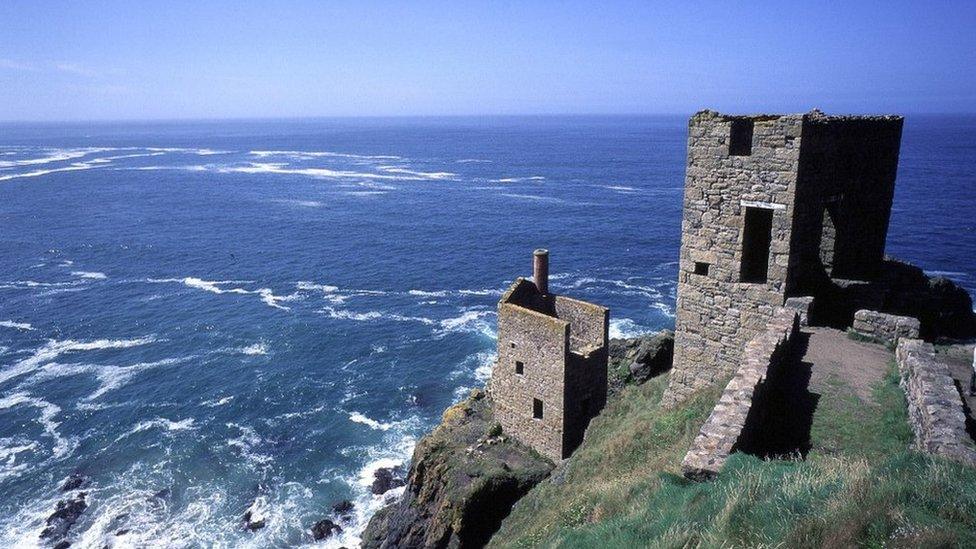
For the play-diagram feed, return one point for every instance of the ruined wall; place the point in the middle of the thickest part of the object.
(844, 193)
(885, 327)
(541, 343)
(716, 312)
(588, 323)
(719, 435)
(586, 371)
(935, 410)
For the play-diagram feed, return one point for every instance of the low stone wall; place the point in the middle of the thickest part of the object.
(885, 327)
(802, 307)
(718, 436)
(935, 410)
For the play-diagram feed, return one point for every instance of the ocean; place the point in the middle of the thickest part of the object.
(199, 315)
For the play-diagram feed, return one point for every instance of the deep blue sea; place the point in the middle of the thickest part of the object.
(233, 311)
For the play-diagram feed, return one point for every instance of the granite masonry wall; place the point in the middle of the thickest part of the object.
(756, 189)
(935, 410)
(885, 327)
(552, 350)
(719, 435)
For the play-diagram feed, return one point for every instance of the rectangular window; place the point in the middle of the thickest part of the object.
(536, 408)
(519, 367)
(757, 234)
(701, 268)
(513, 344)
(740, 139)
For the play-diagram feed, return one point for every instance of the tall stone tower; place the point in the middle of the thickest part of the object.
(551, 376)
(775, 206)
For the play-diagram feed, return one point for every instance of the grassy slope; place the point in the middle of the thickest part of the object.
(859, 486)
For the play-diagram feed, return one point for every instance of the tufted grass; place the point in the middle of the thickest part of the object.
(860, 486)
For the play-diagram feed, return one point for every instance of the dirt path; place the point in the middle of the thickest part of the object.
(832, 353)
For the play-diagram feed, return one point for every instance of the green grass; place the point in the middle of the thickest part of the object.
(860, 485)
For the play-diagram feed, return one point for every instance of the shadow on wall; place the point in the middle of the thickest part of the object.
(779, 422)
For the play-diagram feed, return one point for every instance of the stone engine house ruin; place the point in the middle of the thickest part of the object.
(775, 206)
(551, 376)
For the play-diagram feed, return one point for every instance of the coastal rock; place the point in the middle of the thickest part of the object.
(325, 528)
(462, 483)
(635, 360)
(343, 509)
(73, 482)
(386, 479)
(65, 515)
(944, 309)
(255, 517)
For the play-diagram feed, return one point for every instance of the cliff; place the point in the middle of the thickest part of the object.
(466, 474)
(464, 478)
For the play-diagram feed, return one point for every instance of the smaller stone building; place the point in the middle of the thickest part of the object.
(551, 376)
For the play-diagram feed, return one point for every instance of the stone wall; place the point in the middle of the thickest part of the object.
(718, 436)
(562, 346)
(935, 410)
(716, 312)
(541, 343)
(797, 170)
(885, 327)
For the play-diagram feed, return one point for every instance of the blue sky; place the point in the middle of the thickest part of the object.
(222, 59)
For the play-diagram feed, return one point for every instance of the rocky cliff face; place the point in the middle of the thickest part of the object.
(466, 474)
(464, 478)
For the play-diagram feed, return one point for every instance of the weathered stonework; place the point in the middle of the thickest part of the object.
(552, 354)
(775, 206)
(935, 410)
(802, 307)
(718, 436)
(885, 327)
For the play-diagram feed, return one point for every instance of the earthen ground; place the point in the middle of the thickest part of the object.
(832, 354)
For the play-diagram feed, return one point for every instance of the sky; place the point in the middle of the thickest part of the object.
(106, 60)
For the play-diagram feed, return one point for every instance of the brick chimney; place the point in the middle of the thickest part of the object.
(540, 270)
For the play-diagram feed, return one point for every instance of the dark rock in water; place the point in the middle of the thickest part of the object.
(162, 494)
(460, 487)
(65, 515)
(62, 545)
(343, 509)
(386, 479)
(73, 482)
(944, 309)
(122, 532)
(325, 528)
(255, 517)
(636, 360)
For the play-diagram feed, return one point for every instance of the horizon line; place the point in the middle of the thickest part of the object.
(313, 118)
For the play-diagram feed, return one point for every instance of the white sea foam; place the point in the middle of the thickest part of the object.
(255, 349)
(55, 348)
(89, 275)
(109, 377)
(61, 446)
(534, 197)
(473, 321)
(214, 286)
(518, 179)
(218, 402)
(473, 161)
(620, 188)
(416, 174)
(37, 173)
(246, 444)
(303, 155)
(368, 316)
(9, 450)
(163, 424)
(24, 326)
(300, 203)
(357, 417)
(486, 291)
(425, 293)
(625, 327)
(57, 155)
